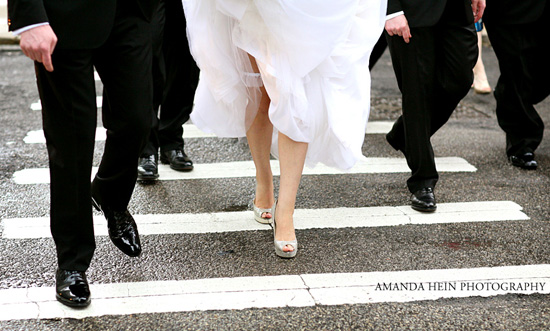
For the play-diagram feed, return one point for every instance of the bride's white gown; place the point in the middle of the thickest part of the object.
(313, 57)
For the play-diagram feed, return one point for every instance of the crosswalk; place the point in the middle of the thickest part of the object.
(293, 290)
(280, 291)
(488, 211)
(246, 169)
(191, 131)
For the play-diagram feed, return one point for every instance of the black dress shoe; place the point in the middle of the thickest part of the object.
(148, 168)
(71, 288)
(122, 229)
(524, 161)
(423, 200)
(177, 159)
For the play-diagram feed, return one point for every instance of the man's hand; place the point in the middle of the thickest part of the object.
(399, 26)
(478, 6)
(38, 44)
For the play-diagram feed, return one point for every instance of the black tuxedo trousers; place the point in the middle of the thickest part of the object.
(175, 78)
(69, 113)
(434, 72)
(522, 53)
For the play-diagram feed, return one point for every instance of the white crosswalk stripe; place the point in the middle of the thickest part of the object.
(246, 169)
(279, 291)
(191, 131)
(38, 106)
(487, 211)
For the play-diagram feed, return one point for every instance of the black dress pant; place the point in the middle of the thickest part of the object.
(70, 118)
(434, 72)
(378, 50)
(522, 54)
(175, 77)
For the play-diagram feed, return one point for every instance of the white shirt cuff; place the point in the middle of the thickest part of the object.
(390, 16)
(28, 27)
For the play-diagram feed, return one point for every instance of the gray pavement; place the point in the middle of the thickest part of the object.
(472, 134)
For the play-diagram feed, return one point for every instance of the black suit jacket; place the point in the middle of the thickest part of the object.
(424, 13)
(78, 24)
(514, 11)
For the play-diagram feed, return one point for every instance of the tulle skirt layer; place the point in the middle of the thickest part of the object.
(313, 58)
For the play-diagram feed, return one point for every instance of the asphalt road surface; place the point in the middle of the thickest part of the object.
(366, 260)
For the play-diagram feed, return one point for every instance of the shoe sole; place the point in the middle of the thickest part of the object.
(186, 168)
(146, 178)
(72, 304)
(261, 220)
(524, 167)
(286, 255)
(125, 252)
(180, 169)
(424, 209)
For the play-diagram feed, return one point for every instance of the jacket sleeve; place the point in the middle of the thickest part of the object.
(394, 6)
(22, 13)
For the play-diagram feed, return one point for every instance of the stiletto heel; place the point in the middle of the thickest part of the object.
(280, 244)
(259, 213)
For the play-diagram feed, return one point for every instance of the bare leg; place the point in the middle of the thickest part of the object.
(481, 84)
(259, 139)
(292, 156)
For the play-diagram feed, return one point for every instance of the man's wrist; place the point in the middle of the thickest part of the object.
(390, 16)
(28, 27)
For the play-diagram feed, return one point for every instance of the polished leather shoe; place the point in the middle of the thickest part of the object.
(524, 161)
(148, 168)
(423, 200)
(122, 229)
(71, 288)
(177, 159)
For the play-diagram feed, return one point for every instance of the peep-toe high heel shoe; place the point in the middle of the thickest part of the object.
(280, 244)
(260, 212)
